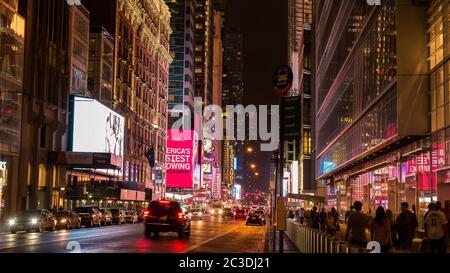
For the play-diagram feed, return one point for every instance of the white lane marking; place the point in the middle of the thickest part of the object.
(62, 240)
(209, 240)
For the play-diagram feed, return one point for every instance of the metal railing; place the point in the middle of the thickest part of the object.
(309, 240)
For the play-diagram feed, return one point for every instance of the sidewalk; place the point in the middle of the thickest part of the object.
(288, 246)
(415, 248)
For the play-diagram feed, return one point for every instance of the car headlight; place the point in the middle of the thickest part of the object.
(12, 222)
(34, 221)
(212, 211)
(63, 220)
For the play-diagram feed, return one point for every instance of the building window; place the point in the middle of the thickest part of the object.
(42, 176)
(307, 149)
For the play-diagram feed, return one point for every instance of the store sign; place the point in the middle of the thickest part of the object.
(127, 195)
(180, 159)
(2, 166)
(140, 196)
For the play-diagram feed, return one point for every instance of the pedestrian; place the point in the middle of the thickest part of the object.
(356, 227)
(436, 226)
(380, 230)
(332, 221)
(323, 220)
(348, 214)
(291, 214)
(390, 218)
(430, 208)
(314, 218)
(406, 225)
(447, 216)
(302, 215)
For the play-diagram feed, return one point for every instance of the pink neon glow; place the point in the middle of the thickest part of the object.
(179, 159)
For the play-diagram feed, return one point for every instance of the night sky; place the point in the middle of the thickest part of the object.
(263, 24)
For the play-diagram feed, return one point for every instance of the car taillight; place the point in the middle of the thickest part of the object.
(180, 215)
(146, 213)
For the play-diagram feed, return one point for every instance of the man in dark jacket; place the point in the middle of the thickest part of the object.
(406, 225)
(314, 218)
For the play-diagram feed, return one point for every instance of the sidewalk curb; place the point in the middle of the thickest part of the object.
(262, 242)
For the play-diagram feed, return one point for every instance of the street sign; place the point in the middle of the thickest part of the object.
(282, 80)
(291, 115)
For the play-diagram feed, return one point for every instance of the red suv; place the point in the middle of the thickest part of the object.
(240, 214)
(166, 216)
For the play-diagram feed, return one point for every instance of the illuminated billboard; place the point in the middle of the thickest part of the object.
(96, 128)
(180, 157)
(236, 192)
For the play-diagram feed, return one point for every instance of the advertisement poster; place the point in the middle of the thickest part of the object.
(96, 128)
(179, 159)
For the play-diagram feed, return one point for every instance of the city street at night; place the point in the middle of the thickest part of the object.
(212, 236)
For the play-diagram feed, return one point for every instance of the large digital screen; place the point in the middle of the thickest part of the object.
(180, 159)
(96, 128)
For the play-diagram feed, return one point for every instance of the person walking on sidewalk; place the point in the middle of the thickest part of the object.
(380, 230)
(447, 216)
(314, 218)
(356, 227)
(323, 220)
(390, 218)
(348, 214)
(436, 226)
(332, 221)
(406, 225)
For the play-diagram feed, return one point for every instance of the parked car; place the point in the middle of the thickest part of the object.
(107, 217)
(131, 216)
(90, 216)
(33, 220)
(67, 219)
(240, 214)
(166, 216)
(118, 216)
(255, 218)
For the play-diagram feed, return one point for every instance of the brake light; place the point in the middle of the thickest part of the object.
(146, 213)
(180, 215)
(164, 202)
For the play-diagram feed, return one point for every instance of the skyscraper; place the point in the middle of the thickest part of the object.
(299, 59)
(233, 94)
(182, 42)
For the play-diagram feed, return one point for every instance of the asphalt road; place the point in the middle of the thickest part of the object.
(213, 235)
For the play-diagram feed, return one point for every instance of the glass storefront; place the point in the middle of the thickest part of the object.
(4, 167)
(418, 173)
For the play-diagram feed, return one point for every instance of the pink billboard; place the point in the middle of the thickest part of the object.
(180, 156)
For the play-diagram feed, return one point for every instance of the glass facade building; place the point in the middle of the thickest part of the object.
(381, 112)
(181, 70)
(12, 34)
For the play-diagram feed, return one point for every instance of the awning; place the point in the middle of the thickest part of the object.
(306, 197)
(85, 160)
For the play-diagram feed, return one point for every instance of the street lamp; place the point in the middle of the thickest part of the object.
(249, 149)
(256, 174)
(253, 166)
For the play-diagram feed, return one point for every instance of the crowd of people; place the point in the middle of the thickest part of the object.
(392, 233)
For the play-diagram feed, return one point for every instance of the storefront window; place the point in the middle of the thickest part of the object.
(3, 186)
